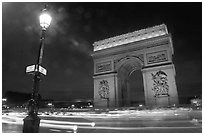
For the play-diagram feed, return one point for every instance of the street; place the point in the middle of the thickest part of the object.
(131, 121)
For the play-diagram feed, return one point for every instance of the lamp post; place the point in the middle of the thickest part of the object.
(32, 121)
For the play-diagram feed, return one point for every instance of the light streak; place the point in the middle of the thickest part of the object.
(145, 122)
(12, 120)
(59, 126)
(9, 122)
(87, 116)
(16, 120)
(55, 130)
(66, 122)
(136, 128)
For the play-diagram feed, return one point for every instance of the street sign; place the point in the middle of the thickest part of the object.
(30, 68)
(42, 70)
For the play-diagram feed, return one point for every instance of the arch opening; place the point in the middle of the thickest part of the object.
(136, 88)
(130, 83)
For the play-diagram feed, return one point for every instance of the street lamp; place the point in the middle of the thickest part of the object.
(4, 99)
(45, 19)
(32, 121)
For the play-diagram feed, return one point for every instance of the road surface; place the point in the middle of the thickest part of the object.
(161, 121)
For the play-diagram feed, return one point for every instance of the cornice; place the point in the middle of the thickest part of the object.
(134, 46)
(123, 39)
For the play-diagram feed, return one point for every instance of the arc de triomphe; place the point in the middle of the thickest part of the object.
(149, 50)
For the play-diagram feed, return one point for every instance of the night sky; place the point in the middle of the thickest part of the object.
(74, 28)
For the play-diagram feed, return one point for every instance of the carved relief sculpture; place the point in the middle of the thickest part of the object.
(103, 67)
(160, 86)
(103, 89)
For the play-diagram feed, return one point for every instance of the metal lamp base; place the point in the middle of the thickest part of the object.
(31, 124)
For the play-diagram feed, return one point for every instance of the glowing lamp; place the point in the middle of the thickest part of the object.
(45, 19)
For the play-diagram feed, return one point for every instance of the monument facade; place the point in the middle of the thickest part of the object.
(115, 59)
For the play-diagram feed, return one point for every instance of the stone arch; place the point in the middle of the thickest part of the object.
(149, 50)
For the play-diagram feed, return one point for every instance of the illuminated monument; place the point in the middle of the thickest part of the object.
(115, 59)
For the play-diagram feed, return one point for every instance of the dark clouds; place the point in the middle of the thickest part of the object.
(74, 28)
